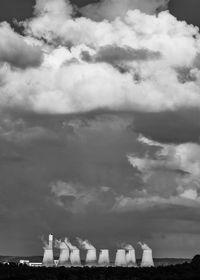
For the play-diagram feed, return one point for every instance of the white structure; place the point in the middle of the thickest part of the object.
(35, 264)
(64, 255)
(75, 258)
(51, 240)
(91, 257)
(130, 258)
(104, 259)
(48, 259)
(27, 262)
(147, 258)
(120, 259)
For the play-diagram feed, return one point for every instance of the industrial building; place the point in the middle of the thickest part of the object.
(69, 255)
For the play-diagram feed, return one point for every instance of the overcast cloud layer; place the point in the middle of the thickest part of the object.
(99, 127)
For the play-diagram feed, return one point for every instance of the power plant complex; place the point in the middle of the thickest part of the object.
(70, 255)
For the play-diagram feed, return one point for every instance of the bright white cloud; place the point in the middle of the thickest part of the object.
(64, 83)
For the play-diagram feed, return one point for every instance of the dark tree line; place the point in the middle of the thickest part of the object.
(186, 271)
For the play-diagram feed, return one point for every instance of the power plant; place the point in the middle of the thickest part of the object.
(70, 255)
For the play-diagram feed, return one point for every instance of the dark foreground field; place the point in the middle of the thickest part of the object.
(185, 271)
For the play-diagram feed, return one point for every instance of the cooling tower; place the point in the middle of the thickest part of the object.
(120, 259)
(147, 259)
(91, 257)
(48, 253)
(48, 258)
(75, 257)
(64, 255)
(130, 258)
(104, 259)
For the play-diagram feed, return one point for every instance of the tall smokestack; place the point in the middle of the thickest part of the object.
(104, 259)
(75, 258)
(48, 259)
(64, 253)
(147, 258)
(120, 259)
(91, 256)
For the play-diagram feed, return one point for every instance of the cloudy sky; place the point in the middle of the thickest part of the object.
(99, 124)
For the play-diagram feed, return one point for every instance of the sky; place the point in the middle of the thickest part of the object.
(99, 124)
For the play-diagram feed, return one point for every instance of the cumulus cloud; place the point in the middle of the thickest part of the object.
(110, 9)
(16, 51)
(147, 80)
(170, 176)
(49, 16)
(183, 157)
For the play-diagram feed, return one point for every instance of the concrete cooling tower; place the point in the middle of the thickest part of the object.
(104, 259)
(120, 259)
(91, 257)
(147, 258)
(75, 258)
(48, 259)
(64, 255)
(130, 258)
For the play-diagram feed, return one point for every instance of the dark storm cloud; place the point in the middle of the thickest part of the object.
(169, 127)
(115, 54)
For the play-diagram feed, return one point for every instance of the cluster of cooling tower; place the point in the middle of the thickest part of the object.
(70, 255)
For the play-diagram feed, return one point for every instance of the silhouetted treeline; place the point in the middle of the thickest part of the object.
(187, 271)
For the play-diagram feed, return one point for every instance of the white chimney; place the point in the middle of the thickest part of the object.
(130, 258)
(104, 259)
(48, 259)
(120, 259)
(147, 259)
(91, 257)
(64, 255)
(50, 240)
(75, 257)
